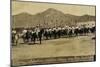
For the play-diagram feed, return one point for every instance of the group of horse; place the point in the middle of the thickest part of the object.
(31, 35)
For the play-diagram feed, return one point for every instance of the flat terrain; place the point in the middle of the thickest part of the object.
(73, 46)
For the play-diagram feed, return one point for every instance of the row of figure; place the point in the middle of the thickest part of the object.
(37, 33)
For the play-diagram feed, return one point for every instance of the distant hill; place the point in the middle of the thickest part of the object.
(50, 17)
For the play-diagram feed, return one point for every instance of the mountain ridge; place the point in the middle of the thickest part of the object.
(49, 17)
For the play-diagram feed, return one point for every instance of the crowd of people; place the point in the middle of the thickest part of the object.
(39, 33)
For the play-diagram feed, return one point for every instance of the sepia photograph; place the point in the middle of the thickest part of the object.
(52, 33)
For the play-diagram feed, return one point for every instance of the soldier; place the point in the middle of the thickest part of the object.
(73, 30)
(54, 32)
(33, 36)
(28, 35)
(24, 35)
(70, 31)
(15, 37)
(46, 33)
(37, 30)
(59, 32)
(76, 31)
(50, 32)
(40, 34)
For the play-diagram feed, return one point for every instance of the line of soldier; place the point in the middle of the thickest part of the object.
(37, 33)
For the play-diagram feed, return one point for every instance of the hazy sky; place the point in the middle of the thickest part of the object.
(33, 8)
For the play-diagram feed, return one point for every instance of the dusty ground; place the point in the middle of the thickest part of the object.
(74, 46)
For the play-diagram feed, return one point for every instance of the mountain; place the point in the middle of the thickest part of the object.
(49, 18)
(21, 20)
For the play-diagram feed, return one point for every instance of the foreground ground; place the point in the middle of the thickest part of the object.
(74, 46)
